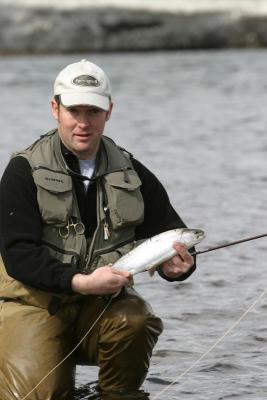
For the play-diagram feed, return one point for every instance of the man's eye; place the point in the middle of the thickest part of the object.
(96, 110)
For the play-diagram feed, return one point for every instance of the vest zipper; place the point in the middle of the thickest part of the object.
(113, 248)
(89, 249)
(105, 209)
(68, 252)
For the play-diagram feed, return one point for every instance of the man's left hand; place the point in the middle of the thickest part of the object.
(178, 264)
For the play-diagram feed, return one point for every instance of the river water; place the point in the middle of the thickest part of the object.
(199, 121)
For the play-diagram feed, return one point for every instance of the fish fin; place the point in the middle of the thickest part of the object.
(151, 271)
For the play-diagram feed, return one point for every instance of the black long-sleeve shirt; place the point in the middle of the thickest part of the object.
(25, 257)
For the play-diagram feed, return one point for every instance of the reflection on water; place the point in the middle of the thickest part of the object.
(198, 120)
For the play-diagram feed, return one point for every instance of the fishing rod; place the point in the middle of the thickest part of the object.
(229, 244)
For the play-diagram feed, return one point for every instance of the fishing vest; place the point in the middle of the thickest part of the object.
(120, 209)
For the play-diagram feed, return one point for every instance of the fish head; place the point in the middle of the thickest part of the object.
(190, 237)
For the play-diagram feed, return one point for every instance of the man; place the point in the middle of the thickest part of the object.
(70, 205)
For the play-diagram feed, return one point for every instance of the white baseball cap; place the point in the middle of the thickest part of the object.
(83, 83)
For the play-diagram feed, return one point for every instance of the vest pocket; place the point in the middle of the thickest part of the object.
(54, 195)
(125, 201)
(111, 257)
(64, 256)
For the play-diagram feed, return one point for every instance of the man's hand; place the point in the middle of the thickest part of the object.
(179, 264)
(104, 280)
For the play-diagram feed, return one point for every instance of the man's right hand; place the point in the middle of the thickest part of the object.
(104, 280)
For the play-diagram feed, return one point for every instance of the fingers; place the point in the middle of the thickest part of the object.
(176, 266)
(103, 280)
(125, 274)
(182, 254)
(180, 263)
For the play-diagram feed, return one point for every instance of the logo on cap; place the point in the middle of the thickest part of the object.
(85, 80)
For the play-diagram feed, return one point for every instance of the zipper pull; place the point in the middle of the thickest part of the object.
(106, 231)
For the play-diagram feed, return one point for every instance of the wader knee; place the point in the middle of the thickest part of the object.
(124, 340)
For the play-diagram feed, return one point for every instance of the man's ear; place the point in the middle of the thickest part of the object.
(55, 108)
(109, 111)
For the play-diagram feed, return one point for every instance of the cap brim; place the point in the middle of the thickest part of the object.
(88, 99)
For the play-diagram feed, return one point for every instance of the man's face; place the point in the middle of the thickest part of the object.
(80, 127)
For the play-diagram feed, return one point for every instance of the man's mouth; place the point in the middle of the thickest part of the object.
(83, 134)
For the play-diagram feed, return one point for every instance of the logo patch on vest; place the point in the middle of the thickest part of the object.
(54, 180)
(85, 80)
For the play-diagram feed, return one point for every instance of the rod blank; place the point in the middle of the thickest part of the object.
(229, 244)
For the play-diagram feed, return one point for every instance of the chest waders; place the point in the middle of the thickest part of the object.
(33, 341)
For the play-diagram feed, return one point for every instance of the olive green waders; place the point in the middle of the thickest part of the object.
(32, 342)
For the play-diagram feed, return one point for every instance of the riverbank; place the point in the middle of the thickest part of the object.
(46, 29)
(192, 6)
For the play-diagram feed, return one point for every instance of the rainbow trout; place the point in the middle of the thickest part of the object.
(154, 251)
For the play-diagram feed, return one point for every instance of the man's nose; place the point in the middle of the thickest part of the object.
(84, 119)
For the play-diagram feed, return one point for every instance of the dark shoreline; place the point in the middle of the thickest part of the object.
(47, 30)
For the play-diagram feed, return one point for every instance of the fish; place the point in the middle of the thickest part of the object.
(157, 249)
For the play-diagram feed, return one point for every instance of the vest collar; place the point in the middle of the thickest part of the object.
(110, 158)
